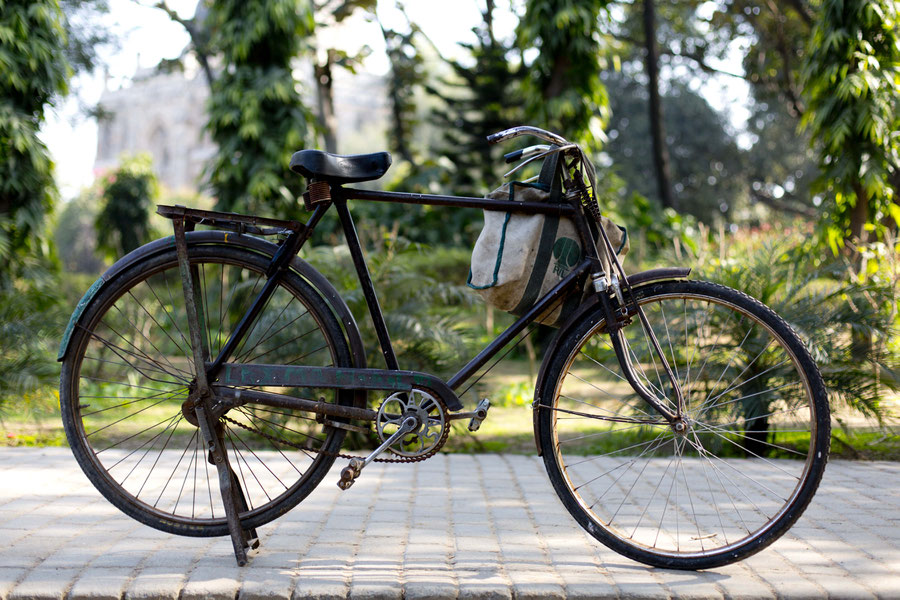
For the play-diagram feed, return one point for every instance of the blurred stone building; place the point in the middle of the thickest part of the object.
(165, 114)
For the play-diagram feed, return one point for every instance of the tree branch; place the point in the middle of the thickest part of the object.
(800, 210)
(693, 57)
(804, 11)
(198, 43)
(789, 88)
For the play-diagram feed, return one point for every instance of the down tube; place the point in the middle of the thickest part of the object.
(504, 338)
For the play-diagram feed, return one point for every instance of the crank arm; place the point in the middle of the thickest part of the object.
(352, 471)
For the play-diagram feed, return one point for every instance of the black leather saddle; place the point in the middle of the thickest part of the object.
(337, 169)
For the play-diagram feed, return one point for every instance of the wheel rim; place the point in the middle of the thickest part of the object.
(133, 374)
(722, 484)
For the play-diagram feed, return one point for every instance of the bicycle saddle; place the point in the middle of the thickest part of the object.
(335, 168)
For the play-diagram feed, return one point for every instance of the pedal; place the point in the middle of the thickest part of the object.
(480, 415)
(350, 473)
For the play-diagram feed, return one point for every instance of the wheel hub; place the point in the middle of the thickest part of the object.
(681, 426)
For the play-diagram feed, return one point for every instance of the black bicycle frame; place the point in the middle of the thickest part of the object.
(377, 379)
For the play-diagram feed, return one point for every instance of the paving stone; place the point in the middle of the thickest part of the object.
(218, 583)
(101, 584)
(266, 584)
(457, 526)
(430, 588)
(8, 580)
(44, 584)
(156, 583)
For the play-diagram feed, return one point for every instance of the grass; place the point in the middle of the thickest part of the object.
(35, 421)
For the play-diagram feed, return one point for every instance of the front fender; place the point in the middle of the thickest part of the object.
(318, 281)
(585, 311)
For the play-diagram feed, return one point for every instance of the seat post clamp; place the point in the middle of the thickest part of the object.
(317, 192)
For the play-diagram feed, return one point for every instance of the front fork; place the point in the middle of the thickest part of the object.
(616, 315)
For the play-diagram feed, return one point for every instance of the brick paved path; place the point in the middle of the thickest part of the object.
(486, 526)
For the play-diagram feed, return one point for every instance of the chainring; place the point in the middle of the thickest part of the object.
(431, 451)
(431, 414)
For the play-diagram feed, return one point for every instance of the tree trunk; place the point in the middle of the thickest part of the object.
(657, 127)
(325, 98)
(861, 341)
(859, 215)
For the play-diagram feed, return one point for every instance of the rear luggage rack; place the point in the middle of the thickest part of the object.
(230, 221)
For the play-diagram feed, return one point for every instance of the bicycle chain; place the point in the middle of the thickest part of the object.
(401, 459)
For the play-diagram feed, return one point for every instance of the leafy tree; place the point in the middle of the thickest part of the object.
(75, 236)
(30, 322)
(661, 163)
(33, 70)
(128, 196)
(406, 75)
(256, 116)
(824, 307)
(707, 166)
(330, 13)
(781, 165)
(85, 32)
(484, 98)
(852, 87)
(693, 35)
(563, 91)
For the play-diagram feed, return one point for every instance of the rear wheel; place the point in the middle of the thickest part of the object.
(727, 480)
(127, 374)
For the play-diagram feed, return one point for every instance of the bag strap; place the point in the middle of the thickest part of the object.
(551, 176)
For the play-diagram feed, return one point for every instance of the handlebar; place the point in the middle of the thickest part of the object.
(513, 132)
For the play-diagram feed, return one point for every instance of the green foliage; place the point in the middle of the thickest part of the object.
(420, 305)
(256, 116)
(86, 32)
(513, 394)
(563, 89)
(75, 237)
(406, 74)
(482, 99)
(33, 70)
(828, 310)
(707, 166)
(128, 197)
(30, 322)
(852, 85)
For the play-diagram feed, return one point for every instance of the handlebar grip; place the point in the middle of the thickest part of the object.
(512, 157)
(495, 138)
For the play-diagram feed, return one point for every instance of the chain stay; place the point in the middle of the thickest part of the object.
(402, 459)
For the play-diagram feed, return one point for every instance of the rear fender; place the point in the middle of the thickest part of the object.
(301, 267)
(588, 310)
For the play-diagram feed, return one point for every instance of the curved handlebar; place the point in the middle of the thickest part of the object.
(512, 132)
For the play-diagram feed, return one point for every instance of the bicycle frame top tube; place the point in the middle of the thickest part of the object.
(340, 195)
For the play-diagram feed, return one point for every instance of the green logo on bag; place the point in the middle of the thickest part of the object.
(567, 253)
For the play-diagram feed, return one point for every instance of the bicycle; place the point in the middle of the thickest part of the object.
(683, 424)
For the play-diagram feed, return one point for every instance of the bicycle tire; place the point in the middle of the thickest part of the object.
(129, 359)
(749, 465)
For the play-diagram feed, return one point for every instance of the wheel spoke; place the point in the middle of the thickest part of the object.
(702, 491)
(130, 373)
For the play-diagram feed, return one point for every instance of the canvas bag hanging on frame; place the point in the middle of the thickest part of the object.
(519, 257)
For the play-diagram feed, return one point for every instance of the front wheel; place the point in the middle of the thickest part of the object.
(737, 471)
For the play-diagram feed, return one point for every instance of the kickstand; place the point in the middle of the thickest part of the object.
(213, 434)
(232, 495)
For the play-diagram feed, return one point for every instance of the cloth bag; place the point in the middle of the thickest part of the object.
(519, 257)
